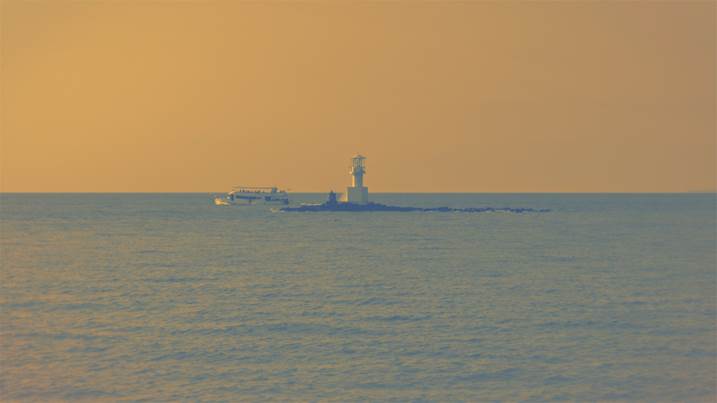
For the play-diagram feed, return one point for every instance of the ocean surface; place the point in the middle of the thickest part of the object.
(166, 297)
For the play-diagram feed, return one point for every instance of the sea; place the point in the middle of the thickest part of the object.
(167, 297)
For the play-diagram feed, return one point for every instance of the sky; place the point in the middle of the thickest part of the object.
(198, 96)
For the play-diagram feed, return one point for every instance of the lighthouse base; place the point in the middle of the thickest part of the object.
(332, 205)
(357, 195)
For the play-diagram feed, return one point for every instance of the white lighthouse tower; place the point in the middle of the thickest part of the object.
(357, 193)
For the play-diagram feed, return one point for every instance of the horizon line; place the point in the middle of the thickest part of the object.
(411, 192)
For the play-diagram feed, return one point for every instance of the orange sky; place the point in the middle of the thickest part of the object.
(155, 96)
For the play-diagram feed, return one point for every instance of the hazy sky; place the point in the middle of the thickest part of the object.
(464, 96)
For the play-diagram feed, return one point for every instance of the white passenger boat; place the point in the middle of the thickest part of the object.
(251, 195)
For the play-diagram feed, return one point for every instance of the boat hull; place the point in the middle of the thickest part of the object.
(251, 201)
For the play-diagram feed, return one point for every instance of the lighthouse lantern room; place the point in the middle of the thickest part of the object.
(357, 193)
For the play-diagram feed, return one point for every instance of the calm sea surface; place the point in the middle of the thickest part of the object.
(167, 297)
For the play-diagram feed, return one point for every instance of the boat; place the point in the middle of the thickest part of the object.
(253, 195)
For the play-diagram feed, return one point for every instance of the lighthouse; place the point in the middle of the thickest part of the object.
(357, 193)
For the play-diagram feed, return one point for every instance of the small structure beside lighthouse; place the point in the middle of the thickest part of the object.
(358, 193)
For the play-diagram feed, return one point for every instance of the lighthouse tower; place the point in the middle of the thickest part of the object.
(357, 193)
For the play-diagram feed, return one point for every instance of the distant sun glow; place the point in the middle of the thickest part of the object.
(147, 96)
